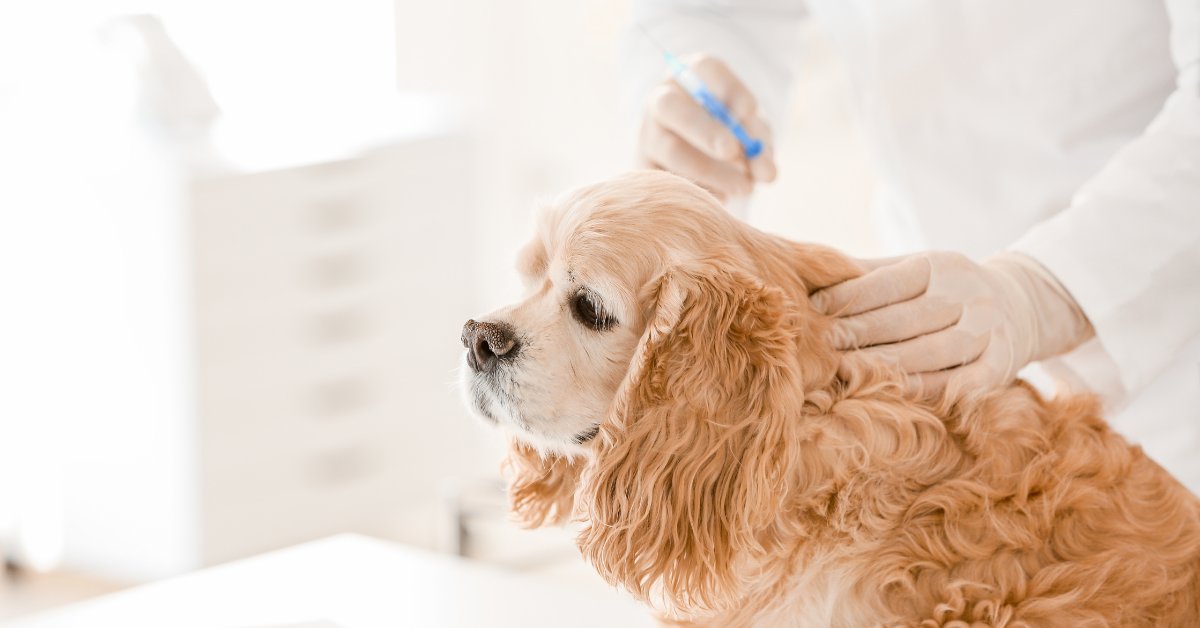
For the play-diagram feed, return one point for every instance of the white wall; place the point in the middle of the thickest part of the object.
(542, 89)
(539, 84)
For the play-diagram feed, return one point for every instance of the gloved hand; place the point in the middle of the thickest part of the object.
(947, 321)
(679, 136)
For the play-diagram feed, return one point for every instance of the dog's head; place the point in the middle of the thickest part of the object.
(654, 378)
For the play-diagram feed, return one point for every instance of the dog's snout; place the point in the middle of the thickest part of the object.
(487, 343)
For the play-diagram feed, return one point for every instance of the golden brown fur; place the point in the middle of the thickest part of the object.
(737, 480)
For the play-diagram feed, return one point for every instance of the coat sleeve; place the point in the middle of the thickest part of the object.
(1127, 248)
(758, 40)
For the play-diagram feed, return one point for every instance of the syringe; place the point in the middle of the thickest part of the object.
(699, 91)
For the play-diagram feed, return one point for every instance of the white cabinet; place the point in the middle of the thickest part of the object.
(317, 291)
(320, 307)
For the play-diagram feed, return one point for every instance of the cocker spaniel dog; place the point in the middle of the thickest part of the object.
(667, 383)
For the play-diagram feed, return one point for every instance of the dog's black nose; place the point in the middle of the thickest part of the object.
(487, 343)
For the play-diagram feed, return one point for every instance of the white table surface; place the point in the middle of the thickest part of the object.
(350, 581)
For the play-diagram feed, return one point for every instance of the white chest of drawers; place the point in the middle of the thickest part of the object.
(276, 364)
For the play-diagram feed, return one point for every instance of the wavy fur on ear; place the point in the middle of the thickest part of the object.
(541, 487)
(695, 462)
(737, 480)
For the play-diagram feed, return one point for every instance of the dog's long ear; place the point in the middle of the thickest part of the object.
(694, 463)
(541, 488)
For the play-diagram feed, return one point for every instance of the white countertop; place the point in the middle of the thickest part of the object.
(350, 581)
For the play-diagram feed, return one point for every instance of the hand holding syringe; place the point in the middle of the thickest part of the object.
(704, 125)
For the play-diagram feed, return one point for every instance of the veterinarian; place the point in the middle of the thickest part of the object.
(1040, 174)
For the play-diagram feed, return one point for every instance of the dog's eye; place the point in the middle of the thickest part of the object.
(590, 312)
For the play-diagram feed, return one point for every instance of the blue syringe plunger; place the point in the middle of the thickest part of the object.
(700, 92)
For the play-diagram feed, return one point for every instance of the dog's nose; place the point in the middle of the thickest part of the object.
(486, 343)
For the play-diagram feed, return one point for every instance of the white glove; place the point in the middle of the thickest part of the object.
(679, 136)
(945, 320)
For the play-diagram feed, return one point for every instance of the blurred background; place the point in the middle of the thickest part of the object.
(238, 240)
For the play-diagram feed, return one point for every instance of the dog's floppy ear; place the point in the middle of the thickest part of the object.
(541, 488)
(694, 462)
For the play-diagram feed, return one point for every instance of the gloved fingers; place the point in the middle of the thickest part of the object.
(928, 384)
(885, 285)
(945, 349)
(894, 323)
(672, 108)
(670, 152)
(974, 376)
(762, 168)
(878, 262)
(864, 266)
(725, 85)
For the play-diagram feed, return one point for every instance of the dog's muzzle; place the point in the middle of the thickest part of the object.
(487, 344)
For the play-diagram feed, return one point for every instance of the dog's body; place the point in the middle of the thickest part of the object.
(670, 385)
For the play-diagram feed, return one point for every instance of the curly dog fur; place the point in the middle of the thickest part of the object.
(738, 480)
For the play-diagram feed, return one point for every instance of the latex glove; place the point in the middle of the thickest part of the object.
(948, 321)
(679, 136)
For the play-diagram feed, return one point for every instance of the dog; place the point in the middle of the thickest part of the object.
(667, 383)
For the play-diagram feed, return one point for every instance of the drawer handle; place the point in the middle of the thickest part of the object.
(339, 397)
(341, 466)
(339, 326)
(335, 215)
(333, 271)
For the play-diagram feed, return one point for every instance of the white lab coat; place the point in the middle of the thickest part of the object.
(1068, 130)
